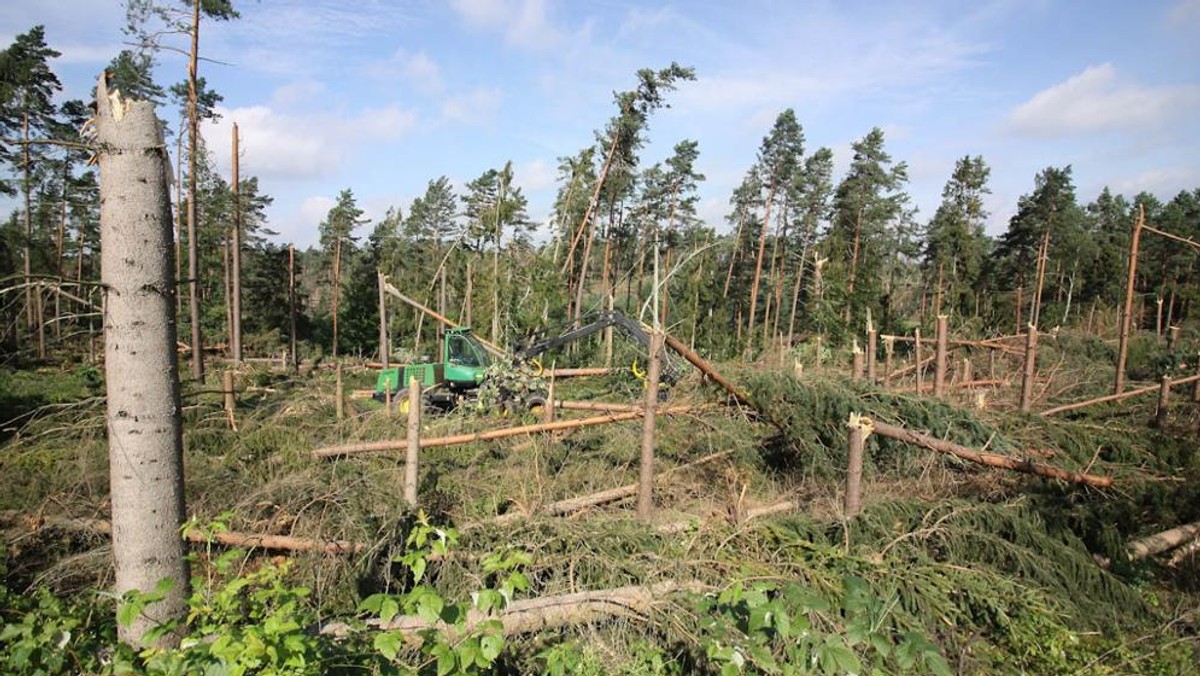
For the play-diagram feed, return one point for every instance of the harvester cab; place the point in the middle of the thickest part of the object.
(459, 370)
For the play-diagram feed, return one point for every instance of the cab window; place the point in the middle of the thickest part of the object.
(460, 351)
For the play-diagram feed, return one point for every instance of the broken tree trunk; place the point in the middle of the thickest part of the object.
(939, 373)
(413, 444)
(1030, 370)
(989, 459)
(860, 428)
(645, 507)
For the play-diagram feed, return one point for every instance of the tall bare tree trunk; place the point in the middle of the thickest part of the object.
(193, 247)
(237, 255)
(587, 214)
(853, 264)
(337, 285)
(292, 307)
(384, 350)
(142, 378)
(758, 265)
(59, 250)
(1127, 311)
(737, 247)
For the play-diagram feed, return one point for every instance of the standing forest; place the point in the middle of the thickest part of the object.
(830, 434)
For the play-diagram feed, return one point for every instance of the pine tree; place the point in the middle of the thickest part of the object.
(867, 236)
(1049, 216)
(810, 208)
(955, 244)
(337, 241)
(778, 157)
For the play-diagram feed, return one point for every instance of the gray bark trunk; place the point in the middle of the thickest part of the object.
(141, 374)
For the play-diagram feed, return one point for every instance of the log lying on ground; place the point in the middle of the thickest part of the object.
(490, 435)
(967, 385)
(571, 505)
(284, 543)
(550, 612)
(989, 459)
(1164, 541)
(1115, 397)
(579, 372)
(912, 367)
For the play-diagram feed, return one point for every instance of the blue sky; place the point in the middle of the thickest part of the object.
(383, 96)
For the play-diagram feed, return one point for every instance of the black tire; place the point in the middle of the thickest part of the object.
(536, 403)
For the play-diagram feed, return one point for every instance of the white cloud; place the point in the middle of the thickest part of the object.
(300, 91)
(314, 209)
(1165, 183)
(1097, 100)
(277, 145)
(81, 53)
(523, 23)
(476, 107)
(417, 69)
(534, 175)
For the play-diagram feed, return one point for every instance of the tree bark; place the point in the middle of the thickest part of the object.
(1029, 372)
(1127, 311)
(236, 259)
(540, 614)
(989, 459)
(645, 506)
(1164, 541)
(490, 435)
(939, 370)
(141, 374)
(414, 441)
(762, 248)
(193, 246)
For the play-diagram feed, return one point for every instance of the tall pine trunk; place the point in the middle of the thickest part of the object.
(193, 247)
(141, 373)
(758, 265)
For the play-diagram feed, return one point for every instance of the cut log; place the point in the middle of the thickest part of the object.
(1116, 397)
(1164, 541)
(989, 459)
(550, 612)
(490, 435)
(286, 543)
(572, 505)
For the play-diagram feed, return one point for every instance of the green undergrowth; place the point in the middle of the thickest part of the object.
(996, 581)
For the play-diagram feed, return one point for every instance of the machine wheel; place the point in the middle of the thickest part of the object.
(536, 403)
(400, 402)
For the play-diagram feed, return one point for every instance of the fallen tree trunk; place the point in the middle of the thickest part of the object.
(578, 372)
(913, 367)
(989, 459)
(490, 435)
(707, 369)
(1115, 397)
(285, 543)
(583, 502)
(1164, 541)
(550, 612)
